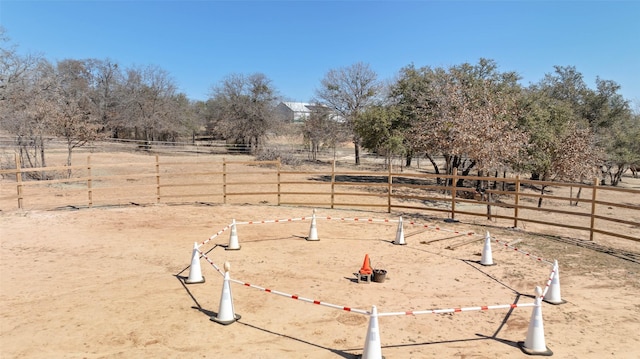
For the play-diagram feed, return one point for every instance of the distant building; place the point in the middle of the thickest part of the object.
(298, 112)
(294, 112)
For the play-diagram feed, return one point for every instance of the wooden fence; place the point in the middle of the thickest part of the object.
(509, 202)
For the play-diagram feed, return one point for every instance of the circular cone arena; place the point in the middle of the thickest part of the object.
(108, 283)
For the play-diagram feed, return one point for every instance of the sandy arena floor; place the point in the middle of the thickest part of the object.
(107, 283)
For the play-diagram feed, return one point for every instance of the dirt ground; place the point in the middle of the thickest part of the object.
(108, 282)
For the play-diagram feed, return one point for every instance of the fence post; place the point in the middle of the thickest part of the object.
(487, 195)
(333, 182)
(157, 179)
(389, 189)
(278, 169)
(571, 196)
(89, 180)
(224, 180)
(19, 180)
(593, 208)
(454, 182)
(516, 203)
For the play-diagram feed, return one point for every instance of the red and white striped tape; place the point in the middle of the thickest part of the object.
(297, 297)
(539, 259)
(361, 311)
(274, 221)
(215, 235)
(210, 262)
(457, 310)
(441, 229)
(386, 220)
(356, 219)
(551, 276)
(387, 314)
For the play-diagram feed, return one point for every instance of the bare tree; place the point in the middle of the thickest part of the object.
(106, 79)
(321, 129)
(25, 106)
(349, 91)
(241, 109)
(186, 122)
(76, 116)
(148, 96)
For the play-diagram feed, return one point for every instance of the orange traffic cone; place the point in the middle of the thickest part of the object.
(366, 266)
(195, 271)
(366, 272)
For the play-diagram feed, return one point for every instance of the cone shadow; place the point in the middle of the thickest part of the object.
(479, 269)
(343, 353)
(181, 279)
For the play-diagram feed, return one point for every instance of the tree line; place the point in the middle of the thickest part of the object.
(479, 118)
(475, 116)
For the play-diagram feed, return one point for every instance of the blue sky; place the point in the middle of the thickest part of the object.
(295, 43)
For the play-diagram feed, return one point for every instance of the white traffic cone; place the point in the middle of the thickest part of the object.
(400, 234)
(313, 231)
(553, 293)
(535, 343)
(372, 347)
(233, 237)
(226, 315)
(195, 271)
(487, 257)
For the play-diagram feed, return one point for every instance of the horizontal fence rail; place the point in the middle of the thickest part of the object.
(511, 202)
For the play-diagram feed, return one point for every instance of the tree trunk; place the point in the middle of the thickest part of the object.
(356, 146)
(42, 160)
(465, 172)
(615, 179)
(408, 159)
(541, 194)
(480, 183)
(69, 150)
(435, 168)
(451, 162)
(577, 196)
